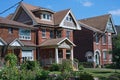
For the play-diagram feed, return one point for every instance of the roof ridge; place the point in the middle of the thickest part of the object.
(95, 17)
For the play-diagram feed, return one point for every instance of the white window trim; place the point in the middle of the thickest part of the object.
(27, 56)
(103, 54)
(21, 38)
(50, 17)
(103, 40)
(44, 33)
(109, 41)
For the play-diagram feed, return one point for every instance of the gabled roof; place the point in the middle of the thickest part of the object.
(18, 42)
(59, 16)
(15, 24)
(54, 42)
(2, 41)
(98, 22)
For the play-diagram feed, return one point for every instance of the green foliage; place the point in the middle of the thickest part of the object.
(11, 60)
(86, 76)
(29, 65)
(81, 67)
(115, 76)
(116, 51)
(66, 65)
(86, 64)
(55, 67)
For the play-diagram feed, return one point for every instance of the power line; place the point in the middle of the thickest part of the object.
(11, 7)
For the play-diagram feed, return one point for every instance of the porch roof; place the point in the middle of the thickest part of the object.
(56, 42)
(2, 42)
(18, 42)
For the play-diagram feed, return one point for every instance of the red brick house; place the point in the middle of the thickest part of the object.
(14, 39)
(54, 36)
(94, 41)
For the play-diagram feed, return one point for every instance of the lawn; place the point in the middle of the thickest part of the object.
(101, 72)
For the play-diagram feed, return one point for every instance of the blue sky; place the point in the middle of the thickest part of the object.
(80, 8)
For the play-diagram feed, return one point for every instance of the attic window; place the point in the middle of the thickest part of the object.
(68, 18)
(46, 16)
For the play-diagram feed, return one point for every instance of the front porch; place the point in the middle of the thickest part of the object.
(55, 50)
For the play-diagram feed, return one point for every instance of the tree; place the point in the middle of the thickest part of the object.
(116, 50)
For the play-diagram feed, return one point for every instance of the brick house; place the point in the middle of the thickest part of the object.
(94, 41)
(12, 40)
(54, 36)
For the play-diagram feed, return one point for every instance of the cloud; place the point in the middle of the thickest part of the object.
(87, 3)
(115, 12)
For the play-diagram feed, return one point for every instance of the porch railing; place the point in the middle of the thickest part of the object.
(75, 65)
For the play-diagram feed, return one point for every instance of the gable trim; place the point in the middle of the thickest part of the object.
(18, 41)
(67, 40)
(77, 25)
(113, 26)
(27, 11)
(3, 42)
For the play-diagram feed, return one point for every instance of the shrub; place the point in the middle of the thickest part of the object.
(87, 64)
(11, 60)
(66, 65)
(86, 76)
(29, 65)
(55, 67)
(80, 67)
(111, 66)
(115, 76)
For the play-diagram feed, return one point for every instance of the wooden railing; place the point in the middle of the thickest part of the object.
(75, 65)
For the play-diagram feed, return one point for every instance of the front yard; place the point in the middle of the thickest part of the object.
(102, 73)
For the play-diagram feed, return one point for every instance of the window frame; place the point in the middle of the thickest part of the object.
(68, 34)
(51, 34)
(43, 33)
(104, 39)
(10, 30)
(46, 16)
(104, 54)
(24, 37)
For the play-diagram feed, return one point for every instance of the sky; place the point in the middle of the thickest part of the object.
(80, 8)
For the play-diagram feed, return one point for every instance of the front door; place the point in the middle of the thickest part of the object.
(97, 58)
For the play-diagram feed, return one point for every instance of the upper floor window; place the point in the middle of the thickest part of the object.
(104, 55)
(68, 18)
(97, 38)
(58, 34)
(10, 30)
(68, 34)
(109, 39)
(51, 34)
(24, 34)
(46, 16)
(43, 33)
(104, 39)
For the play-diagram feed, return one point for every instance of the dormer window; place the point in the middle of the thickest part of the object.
(24, 34)
(46, 16)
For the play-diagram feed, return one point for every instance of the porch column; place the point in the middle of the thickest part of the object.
(71, 53)
(56, 55)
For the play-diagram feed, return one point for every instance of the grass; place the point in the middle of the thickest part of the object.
(101, 72)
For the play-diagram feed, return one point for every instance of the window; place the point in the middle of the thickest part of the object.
(68, 18)
(27, 55)
(10, 30)
(109, 39)
(104, 39)
(51, 34)
(97, 39)
(24, 34)
(59, 34)
(104, 55)
(46, 16)
(43, 33)
(68, 34)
